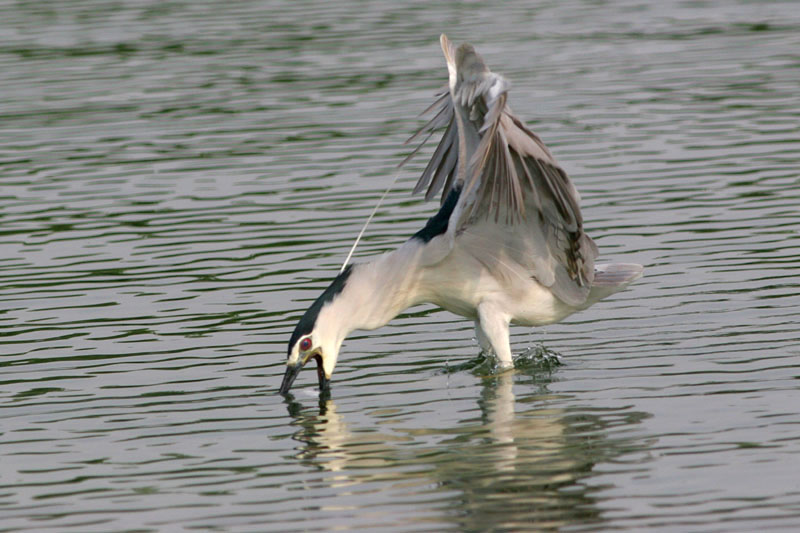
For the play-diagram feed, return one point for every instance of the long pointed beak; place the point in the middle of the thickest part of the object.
(292, 371)
(324, 382)
(289, 376)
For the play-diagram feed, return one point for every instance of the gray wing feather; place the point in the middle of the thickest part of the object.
(442, 166)
(511, 183)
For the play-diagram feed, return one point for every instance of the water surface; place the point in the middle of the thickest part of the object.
(180, 180)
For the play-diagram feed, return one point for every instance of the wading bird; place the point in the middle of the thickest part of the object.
(507, 245)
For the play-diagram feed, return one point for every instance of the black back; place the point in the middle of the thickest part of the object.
(437, 224)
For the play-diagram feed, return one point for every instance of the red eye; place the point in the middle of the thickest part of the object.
(305, 344)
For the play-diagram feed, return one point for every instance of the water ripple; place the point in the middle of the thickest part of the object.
(180, 181)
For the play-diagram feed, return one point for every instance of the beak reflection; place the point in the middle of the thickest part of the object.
(293, 370)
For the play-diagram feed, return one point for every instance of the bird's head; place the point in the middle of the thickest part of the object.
(318, 335)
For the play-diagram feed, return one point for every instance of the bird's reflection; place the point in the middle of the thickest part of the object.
(498, 405)
(330, 445)
(295, 408)
(520, 461)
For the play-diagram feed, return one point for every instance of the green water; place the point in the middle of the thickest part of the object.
(179, 180)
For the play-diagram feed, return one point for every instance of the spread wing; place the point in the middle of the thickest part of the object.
(517, 209)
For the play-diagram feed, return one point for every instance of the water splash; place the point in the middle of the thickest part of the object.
(534, 359)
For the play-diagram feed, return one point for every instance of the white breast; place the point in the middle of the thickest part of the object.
(461, 282)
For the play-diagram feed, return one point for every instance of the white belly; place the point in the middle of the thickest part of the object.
(460, 284)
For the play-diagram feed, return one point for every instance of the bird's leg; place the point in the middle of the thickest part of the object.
(494, 327)
(483, 340)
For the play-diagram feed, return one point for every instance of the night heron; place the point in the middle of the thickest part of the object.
(506, 247)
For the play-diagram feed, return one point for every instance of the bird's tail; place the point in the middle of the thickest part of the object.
(612, 278)
(616, 275)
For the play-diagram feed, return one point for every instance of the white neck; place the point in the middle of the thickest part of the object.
(375, 292)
